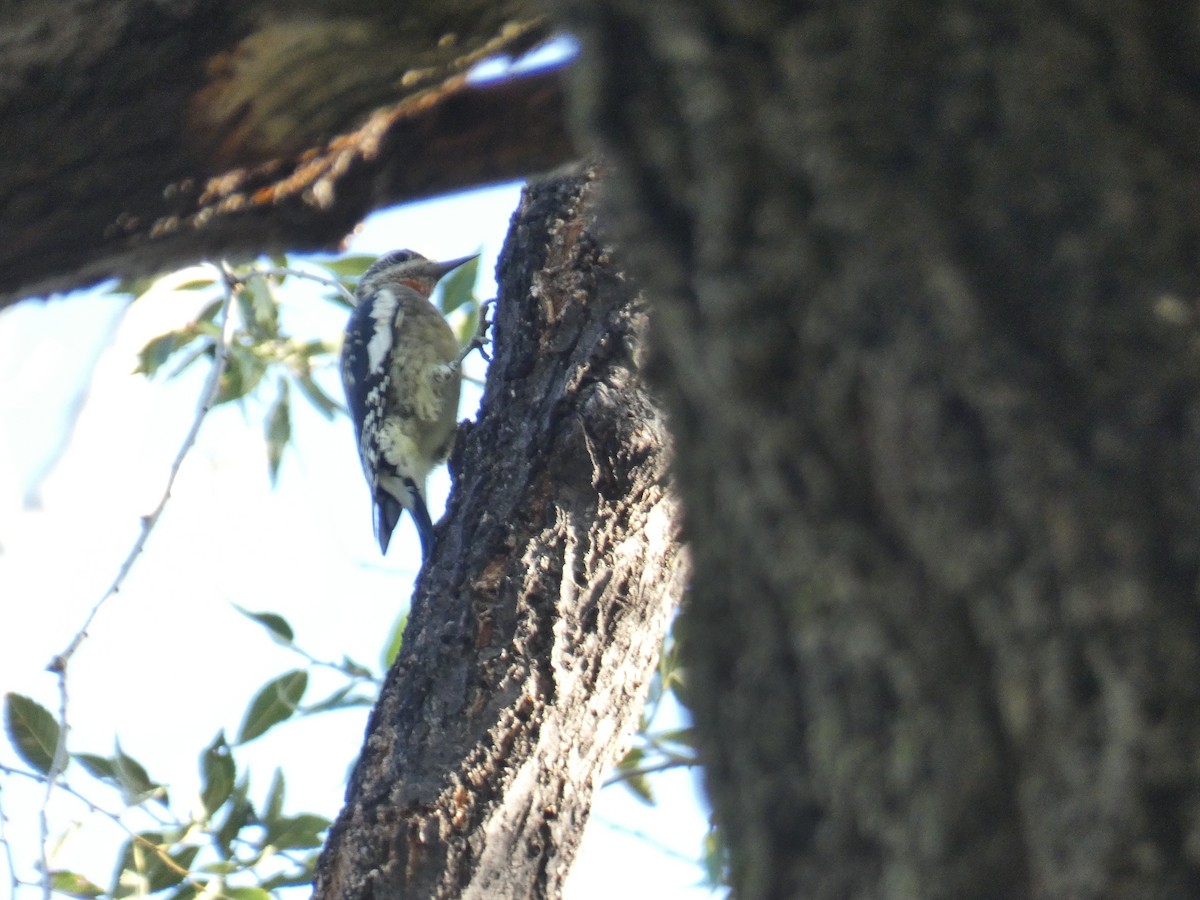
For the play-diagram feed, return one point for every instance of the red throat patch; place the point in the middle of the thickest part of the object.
(420, 285)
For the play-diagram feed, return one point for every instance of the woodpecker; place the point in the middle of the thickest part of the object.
(402, 372)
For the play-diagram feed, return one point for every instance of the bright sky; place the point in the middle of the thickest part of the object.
(168, 661)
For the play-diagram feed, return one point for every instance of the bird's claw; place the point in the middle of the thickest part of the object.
(479, 340)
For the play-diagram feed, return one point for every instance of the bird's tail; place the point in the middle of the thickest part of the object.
(389, 509)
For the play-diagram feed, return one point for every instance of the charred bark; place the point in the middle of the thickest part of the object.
(538, 620)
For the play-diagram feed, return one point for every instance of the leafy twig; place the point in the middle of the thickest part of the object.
(59, 664)
(356, 673)
(113, 817)
(284, 271)
(669, 762)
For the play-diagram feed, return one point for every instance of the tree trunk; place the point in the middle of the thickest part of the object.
(923, 281)
(537, 621)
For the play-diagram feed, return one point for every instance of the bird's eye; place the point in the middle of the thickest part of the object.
(396, 257)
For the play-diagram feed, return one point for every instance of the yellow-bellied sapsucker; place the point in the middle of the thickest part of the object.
(402, 371)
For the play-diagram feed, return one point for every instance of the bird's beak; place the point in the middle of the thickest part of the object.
(444, 268)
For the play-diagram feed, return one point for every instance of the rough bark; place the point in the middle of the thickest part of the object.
(924, 280)
(142, 135)
(538, 619)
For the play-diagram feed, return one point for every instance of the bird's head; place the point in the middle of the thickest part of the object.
(410, 268)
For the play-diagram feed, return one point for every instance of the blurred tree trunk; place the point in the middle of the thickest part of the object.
(537, 622)
(923, 282)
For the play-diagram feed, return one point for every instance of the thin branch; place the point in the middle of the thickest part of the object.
(59, 664)
(113, 817)
(653, 842)
(675, 762)
(207, 399)
(284, 271)
(354, 677)
(8, 851)
(56, 766)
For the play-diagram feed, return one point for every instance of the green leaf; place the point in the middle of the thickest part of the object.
(264, 309)
(276, 624)
(714, 859)
(458, 288)
(349, 266)
(246, 893)
(195, 284)
(317, 347)
(278, 430)
(98, 766)
(684, 736)
(295, 832)
(273, 704)
(158, 350)
(636, 781)
(392, 648)
(73, 885)
(135, 287)
(136, 784)
(241, 813)
(209, 313)
(316, 395)
(668, 658)
(354, 669)
(679, 688)
(342, 698)
(260, 312)
(301, 877)
(142, 869)
(243, 371)
(227, 867)
(273, 808)
(32, 731)
(468, 326)
(640, 785)
(203, 349)
(218, 774)
(631, 760)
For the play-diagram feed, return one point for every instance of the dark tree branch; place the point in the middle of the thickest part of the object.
(140, 136)
(538, 620)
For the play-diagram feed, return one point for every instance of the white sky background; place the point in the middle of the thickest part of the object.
(168, 661)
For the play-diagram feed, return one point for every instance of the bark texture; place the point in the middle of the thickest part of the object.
(537, 622)
(142, 135)
(924, 289)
